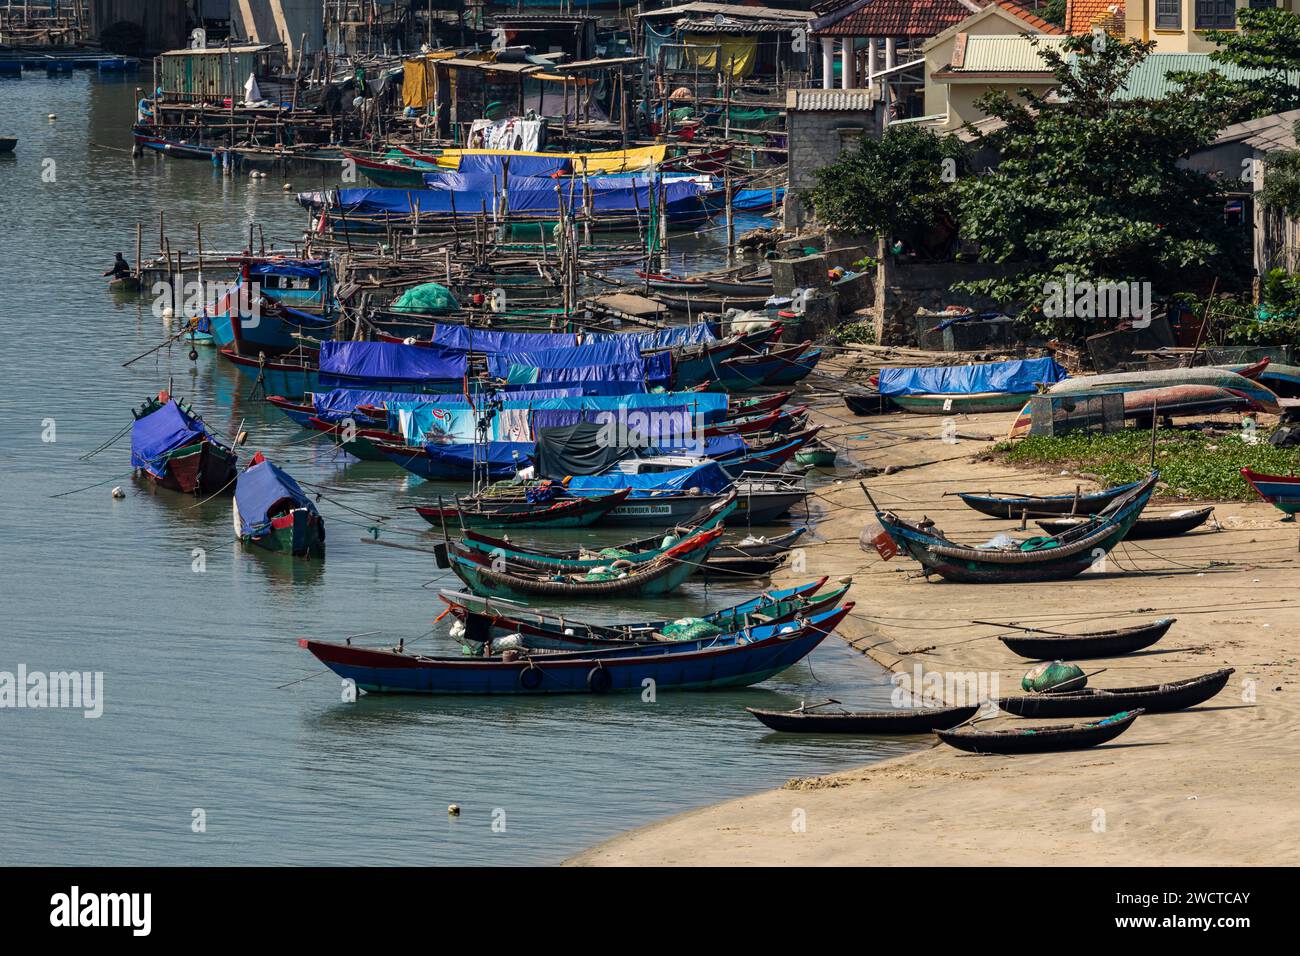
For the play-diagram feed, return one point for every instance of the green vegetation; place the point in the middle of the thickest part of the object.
(898, 187)
(857, 333)
(1267, 40)
(1193, 465)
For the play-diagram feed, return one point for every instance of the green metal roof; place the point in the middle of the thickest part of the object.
(1150, 79)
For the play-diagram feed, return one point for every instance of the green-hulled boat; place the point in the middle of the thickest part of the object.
(958, 404)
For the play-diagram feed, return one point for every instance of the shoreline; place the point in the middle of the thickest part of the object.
(1195, 787)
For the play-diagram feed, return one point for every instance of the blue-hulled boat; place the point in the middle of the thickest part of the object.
(457, 462)
(737, 660)
(294, 298)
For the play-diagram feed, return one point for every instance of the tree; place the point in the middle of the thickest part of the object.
(900, 186)
(1282, 179)
(1090, 189)
(1267, 40)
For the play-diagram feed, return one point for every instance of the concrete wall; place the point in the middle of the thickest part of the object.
(280, 21)
(162, 22)
(816, 138)
(961, 97)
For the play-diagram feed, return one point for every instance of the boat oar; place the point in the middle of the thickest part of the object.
(804, 708)
(1067, 683)
(1017, 627)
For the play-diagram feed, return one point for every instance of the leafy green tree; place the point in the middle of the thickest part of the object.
(1267, 40)
(1089, 186)
(1282, 179)
(899, 187)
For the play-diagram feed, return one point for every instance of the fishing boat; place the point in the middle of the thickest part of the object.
(1159, 526)
(1046, 739)
(668, 281)
(972, 404)
(794, 370)
(1046, 646)
(818, 455)
(572, 560)
(917, 720)
(175, 448)
(666, 573)
(1171, 401)
(690, 300)
(403, 173)
(294, 374)
(1100, 702)
(761, 499)
(757, 285)
(459, 462)
(486, 618)
(1036, 559)
(272, 512)
(487, 512)
(959, 389)
(868, 403)
(1281, 491)
(1016, 504)
(1263, 398)
(716, 662)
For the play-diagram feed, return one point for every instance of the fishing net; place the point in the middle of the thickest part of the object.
(1051, 674)
(690, 629)
(428, 298)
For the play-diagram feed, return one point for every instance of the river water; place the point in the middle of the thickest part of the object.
(202, 754)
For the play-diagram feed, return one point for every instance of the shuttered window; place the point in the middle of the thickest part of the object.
(1216, 14)
(1169, 14)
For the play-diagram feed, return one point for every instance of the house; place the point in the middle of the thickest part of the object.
(1175, 26)
(994, 49)
(739, 40)
(1240, 157)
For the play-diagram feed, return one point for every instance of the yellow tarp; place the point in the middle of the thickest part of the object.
(417, 83)
(740, 53)
(614, 161)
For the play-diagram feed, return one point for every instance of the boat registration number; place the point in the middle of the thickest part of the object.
(643, 510)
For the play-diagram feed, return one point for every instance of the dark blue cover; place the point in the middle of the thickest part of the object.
(259, 489)
(164, 430)
(617, 361)
(498, 454)
(709, 478)
(487, 165)
(1017, 377)
(341, 403)
(299, 268)
(389, 362)
(660, 339)
(487, 340)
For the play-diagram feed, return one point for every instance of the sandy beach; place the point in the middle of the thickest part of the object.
(1213, 785)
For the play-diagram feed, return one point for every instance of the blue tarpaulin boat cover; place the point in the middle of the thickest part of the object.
(260, 488)
(709, 478)
(497, 454)
(390, 362)
(487, 341)
(609, 368)
(159, 432)
(488, 165)
(660, 339)
(1016, 377)
(341, 403)
(298, 268)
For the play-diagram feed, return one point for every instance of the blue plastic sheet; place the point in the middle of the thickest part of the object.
(709, 478)
(259, 489)
(341, 403)
(389, 362)
(660, 339)
(298, 268)
(487, 340)
(499, 455)
(1017, 377)
(164, 430)
(487, 165)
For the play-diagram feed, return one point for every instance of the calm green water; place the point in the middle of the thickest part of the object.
(195, 716)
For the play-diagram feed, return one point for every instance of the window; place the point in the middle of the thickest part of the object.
(1216, 14)
(1263, 4)
(1169, 14)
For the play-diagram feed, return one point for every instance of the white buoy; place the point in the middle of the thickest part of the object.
(453, 810)
(52, 117)
(118, 492)
(168, 314)
(288, 186)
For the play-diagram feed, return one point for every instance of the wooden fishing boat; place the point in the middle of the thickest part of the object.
(794, 370)
(1016, 504)
(455, 462)
(689, 300)
(743, 286)
(1100, 702)
(1158, 526)
(668, 281)
(664, 574)
(963, 404)
(391, 174)
(1046, 646)
(1046, 739)
(778, 420)
(732, 661)
(173, 446)
(755, 371)
(761, 500)
(273, 513)
(869, 403)
(1281, 491)
(742, 569)
(290, 375)
(487, 618)
(1172, 401)
(1043, 559)
(489, 512)
(918, 720)
(1262, 397)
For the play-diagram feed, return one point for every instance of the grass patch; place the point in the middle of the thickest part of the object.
(1191, 464)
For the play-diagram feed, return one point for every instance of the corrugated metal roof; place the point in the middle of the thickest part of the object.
(828, 100)
(729, 10)
(1264, 134)
(1006, 54)
(1150, 78)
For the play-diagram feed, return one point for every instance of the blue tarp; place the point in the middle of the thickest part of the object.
(389, 362)
(1017, 377)
(341, 403)
(661, 339)
(259, 489)
(710, 479)
(299, 268)
(486, 340)
(712, 405)
(487, 165)
(749, 199)
(164, 430)
(498, 455)
(611, 368)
